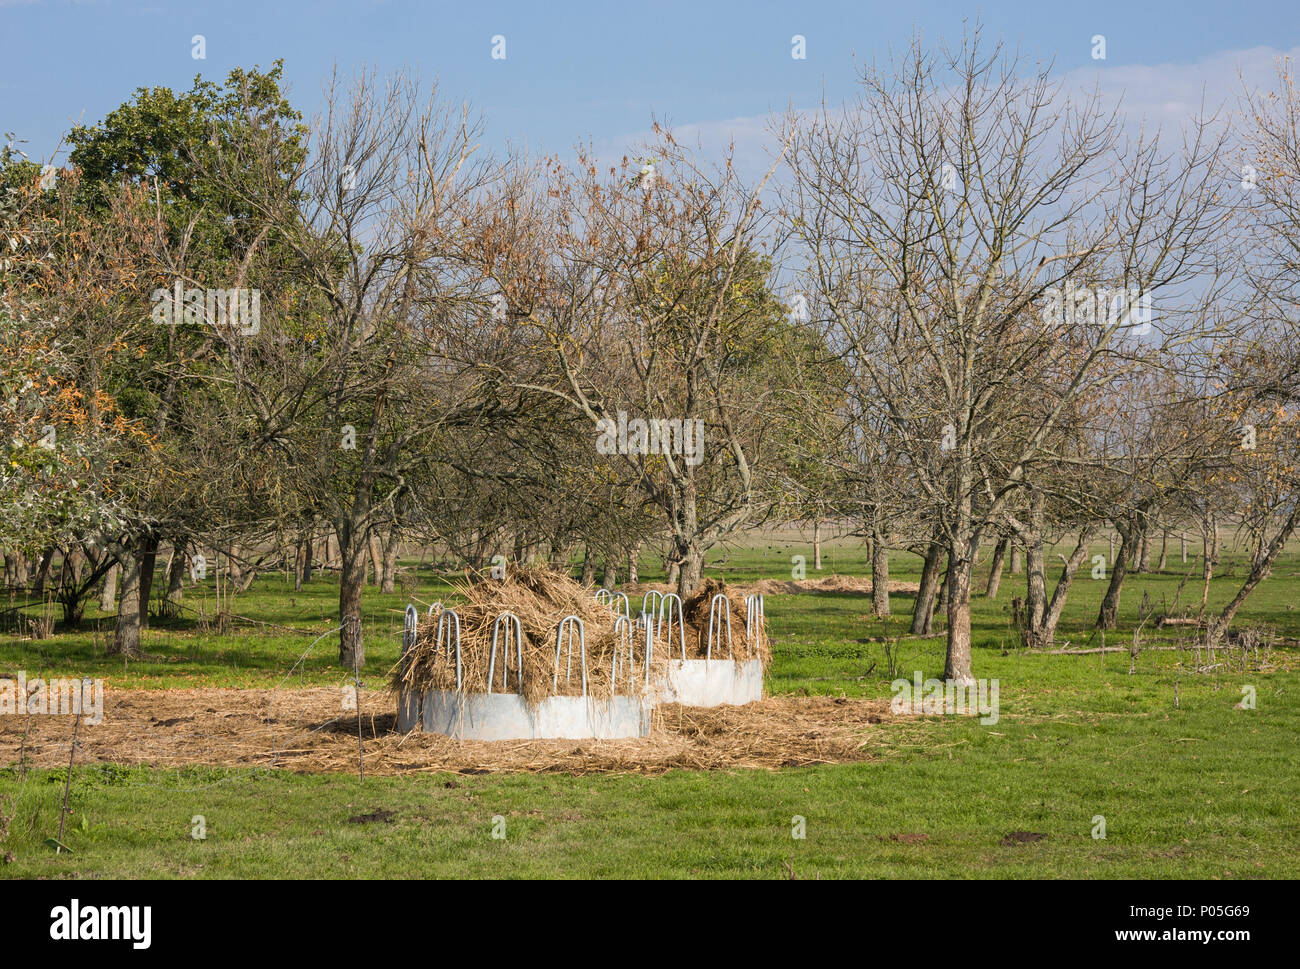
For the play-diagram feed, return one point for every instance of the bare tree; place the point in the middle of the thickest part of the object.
(951, 216)
(350, 382)
(666, 335)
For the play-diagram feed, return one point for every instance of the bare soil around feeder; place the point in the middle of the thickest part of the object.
(304, 731)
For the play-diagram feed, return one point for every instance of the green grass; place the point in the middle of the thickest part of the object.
(1199, 789)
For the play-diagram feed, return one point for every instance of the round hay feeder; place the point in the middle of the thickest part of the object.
(508, 715)
(711, 682)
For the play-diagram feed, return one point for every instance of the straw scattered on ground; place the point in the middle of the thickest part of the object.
(306, 731)
(848, 584)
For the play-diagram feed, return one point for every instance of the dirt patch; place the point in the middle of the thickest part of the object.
(377, 816)
(1022, 837)
(908, 838)
(304, 730)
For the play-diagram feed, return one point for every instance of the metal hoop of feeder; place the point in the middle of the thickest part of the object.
(603, 596)
(410, 624)
(666, 603)
(723, 620)
(573, 626)
(652, 602)
(617, 597)
(755, 619)
(510, 622)
(623, 637)
(449, 626)
(433, 606)
(649, 628)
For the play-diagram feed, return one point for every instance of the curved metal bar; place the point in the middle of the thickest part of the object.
(626, 609)
(651, 602)
(433, 606)
(723, 618)
(603, 596)
(410, 621)
(755, 619)
(649, 644)
(410, 627)
(667, 601)
(572, 624)
(447, 622)
(623, 625)
(512, 624)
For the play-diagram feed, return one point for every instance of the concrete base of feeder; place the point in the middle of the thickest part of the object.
(507, 716)
(712, 682)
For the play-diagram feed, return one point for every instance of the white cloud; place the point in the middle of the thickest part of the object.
(1155, 95)
(1166, 95)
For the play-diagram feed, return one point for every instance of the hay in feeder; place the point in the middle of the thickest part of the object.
(696, 609)
(542, 598)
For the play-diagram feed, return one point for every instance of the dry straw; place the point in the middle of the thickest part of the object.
(305, 731)
(541, 598)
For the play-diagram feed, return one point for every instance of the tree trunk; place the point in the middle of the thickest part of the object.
(1164, 551)
(995, 569)
(1043, 635)
(108, 594)
(923, 610)
(686, 546)
(392, 545)
(15, 569)
(234, 568)
(43, 573)
(1109, 612)
(588, 567)
(299, 563)
(352, 552)
(73, 563)
(957, 666)
(879, 577)
(148, 563)
(1262, 565)
(609, 575)
(126, 635)
(376, 558)
(1035, 566)
(633, 560)
(1209, 556)
(176, 575)
(1017, 560)
(817, 543)
(692, 568)
(1035, 583)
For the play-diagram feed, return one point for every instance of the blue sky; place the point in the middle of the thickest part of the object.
(577, 71)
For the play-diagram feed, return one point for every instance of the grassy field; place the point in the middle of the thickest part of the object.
(1189, 785)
